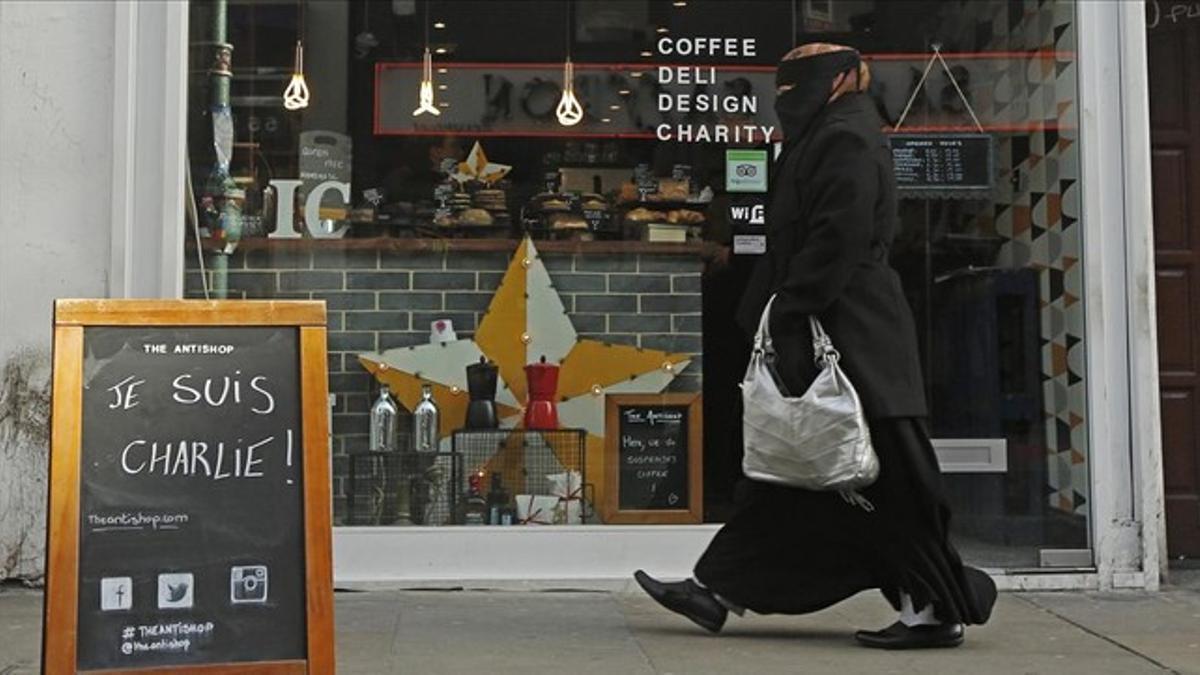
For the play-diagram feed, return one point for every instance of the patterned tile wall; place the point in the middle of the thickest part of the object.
(1037, 211)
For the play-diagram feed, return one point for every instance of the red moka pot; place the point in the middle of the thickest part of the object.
(540, 411)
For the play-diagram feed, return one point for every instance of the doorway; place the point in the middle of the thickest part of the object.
(1173, 42)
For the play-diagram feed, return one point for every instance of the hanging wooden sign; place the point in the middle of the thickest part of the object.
(189, 518)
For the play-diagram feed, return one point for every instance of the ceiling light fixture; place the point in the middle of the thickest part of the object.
(439, 25)
(661, 30)
(295, 97)
(569, 110)
(425, 95)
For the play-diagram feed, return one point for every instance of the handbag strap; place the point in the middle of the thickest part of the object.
(823, 349)
(762, 336)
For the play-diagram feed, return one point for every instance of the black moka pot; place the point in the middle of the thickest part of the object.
(481, 383)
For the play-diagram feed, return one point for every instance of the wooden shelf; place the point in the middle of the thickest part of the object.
(699, 249)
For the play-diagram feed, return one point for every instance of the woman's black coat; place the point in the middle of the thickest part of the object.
(831, 220)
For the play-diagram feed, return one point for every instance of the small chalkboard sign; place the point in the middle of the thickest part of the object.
(653, 458)
(189, 488)
(598, 220)
(943, 165)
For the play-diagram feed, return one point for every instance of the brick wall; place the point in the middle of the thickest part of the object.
(382, 299)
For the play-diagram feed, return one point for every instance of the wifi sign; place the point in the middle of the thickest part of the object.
(747, 214)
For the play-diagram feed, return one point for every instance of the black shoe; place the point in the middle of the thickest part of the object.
(686, 598)
(899, 636)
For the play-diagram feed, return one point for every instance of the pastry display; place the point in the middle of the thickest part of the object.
(475, 218)
(593, 202)
(629, 193)
(490, 199)
(685, 217)
(644, 215)
(671, 190)
(567, 221)
(548, 202)
(474, 198)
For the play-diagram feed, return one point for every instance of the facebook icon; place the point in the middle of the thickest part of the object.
(116, 593)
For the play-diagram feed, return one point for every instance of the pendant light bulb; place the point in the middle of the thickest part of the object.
(425, 96)
(569, 111)
(295, 96)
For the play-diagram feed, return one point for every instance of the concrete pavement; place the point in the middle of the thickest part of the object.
(582, 633)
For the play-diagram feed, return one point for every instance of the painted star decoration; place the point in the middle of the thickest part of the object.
(525, 321)
(477, 166)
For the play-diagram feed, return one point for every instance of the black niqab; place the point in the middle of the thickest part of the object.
(811, 78)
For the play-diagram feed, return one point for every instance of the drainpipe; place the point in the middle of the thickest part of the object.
(225, 214)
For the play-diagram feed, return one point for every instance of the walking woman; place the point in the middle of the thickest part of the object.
(831, 220)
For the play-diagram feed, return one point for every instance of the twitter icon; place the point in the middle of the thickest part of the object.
(175, 590)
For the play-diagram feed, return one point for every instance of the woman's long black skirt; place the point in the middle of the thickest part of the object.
(792, 551)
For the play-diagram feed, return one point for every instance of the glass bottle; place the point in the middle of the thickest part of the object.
(497, 503)
(474, 507)
(383, 422)
(425, 422)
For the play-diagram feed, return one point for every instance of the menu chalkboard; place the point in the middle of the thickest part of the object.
(949, 164)
(653, 458)
(191, 522)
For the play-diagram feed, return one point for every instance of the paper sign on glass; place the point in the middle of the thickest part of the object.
(745, 170)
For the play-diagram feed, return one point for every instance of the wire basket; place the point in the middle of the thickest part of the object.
(531, 465)
(402, 488)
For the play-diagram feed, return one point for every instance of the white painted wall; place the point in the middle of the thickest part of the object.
(56, 94)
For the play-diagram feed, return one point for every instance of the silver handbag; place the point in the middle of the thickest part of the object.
(818, 441)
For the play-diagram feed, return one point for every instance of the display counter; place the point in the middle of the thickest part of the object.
(701, 249)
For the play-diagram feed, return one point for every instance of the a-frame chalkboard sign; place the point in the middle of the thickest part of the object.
(189, 507)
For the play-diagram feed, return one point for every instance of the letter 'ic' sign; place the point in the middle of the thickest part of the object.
(189, 519)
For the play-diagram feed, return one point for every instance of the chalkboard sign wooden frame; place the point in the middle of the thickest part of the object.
(71, 319)
(692, 511)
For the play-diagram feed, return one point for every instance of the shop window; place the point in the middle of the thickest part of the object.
(460, 207)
